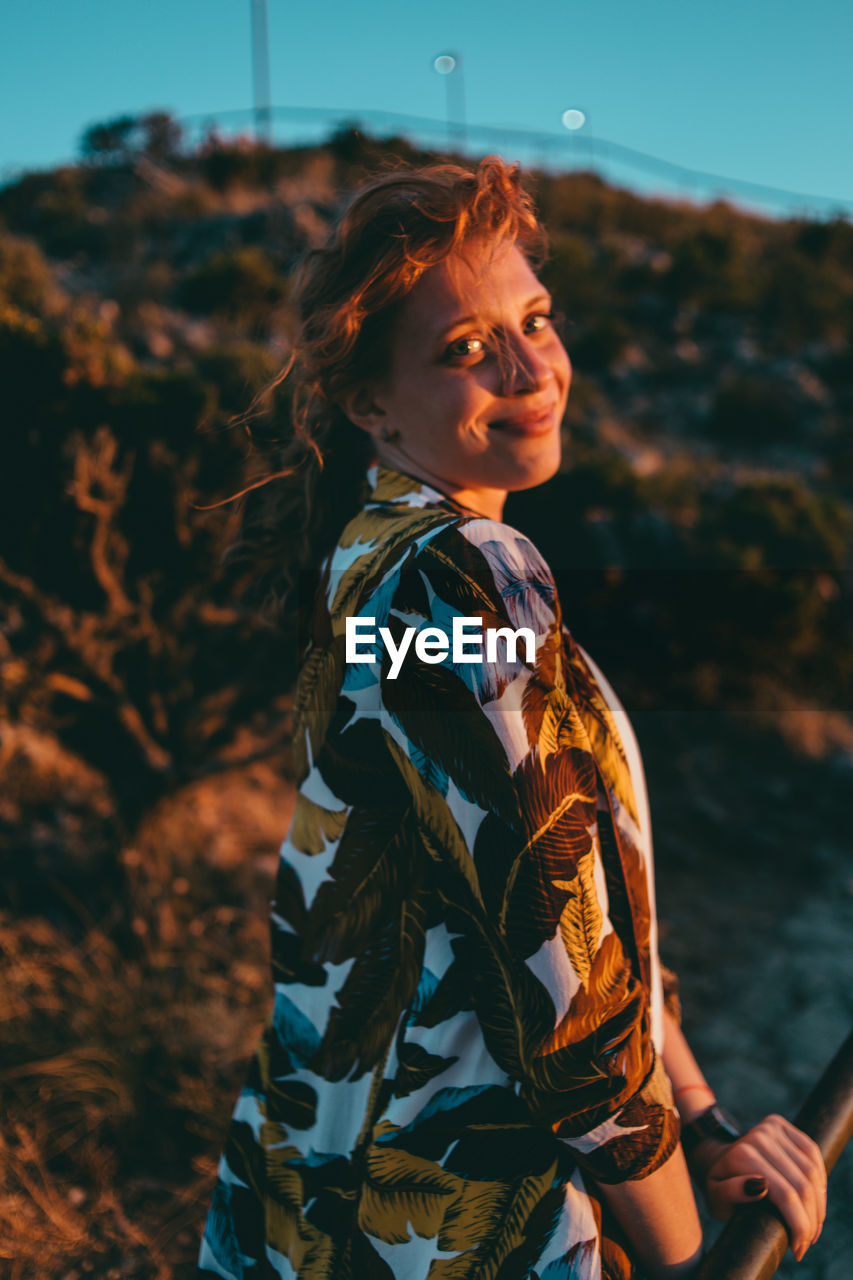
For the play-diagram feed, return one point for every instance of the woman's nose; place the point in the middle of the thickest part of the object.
(522, 367)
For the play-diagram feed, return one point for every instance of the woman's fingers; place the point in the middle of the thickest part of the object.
(811, 1153)
(725, 1193)
(792, 1168)
(817, 1169)
(799, 1164)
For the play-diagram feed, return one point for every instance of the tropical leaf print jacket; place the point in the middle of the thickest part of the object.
(467, 992)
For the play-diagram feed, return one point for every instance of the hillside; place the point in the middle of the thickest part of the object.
(701, 532)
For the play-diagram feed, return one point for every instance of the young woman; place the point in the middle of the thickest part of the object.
(469, 1069)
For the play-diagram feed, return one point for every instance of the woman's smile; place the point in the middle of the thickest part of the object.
(533, 423)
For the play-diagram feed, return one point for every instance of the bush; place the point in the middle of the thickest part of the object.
(599, 344)
(571, 273)
(26, 278)
(157, 135)
(244, 282)
(802, 300)
(752, 412)
(764, 595)
(53, 207)
(774, 524)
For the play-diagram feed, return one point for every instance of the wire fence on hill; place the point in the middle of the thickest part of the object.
(553, 152)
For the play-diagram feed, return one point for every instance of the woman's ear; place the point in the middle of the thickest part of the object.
(364, 409)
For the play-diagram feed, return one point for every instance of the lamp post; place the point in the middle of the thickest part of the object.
(261, 69)
(574, 120)
(449, 65)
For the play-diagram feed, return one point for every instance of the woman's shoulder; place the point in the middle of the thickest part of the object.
(389, 547)
(476, 563)
(490, 549)
(404, 516)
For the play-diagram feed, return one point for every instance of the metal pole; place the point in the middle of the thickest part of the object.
(458, 76)
(449, 65)
(261, 69)
(753, 1242)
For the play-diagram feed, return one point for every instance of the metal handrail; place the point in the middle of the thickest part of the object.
(753, 1242)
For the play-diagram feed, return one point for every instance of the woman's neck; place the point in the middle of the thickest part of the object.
(480, 502)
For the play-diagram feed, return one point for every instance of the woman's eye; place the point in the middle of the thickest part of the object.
(541, 320)
(464, 347)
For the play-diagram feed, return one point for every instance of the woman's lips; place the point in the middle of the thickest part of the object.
(527, 424)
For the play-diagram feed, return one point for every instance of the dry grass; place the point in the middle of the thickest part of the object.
(135, 985)
(125, 1037)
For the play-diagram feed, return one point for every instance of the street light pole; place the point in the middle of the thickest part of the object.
(261, 69)
(449, 65)
(573, 120)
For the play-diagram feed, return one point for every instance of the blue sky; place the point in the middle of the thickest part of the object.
(751, 89)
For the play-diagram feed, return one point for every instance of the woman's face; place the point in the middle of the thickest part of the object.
(477, 381)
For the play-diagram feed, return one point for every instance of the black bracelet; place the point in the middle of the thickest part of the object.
(714, 1122)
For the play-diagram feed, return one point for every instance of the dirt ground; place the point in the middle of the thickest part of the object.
(755, 898)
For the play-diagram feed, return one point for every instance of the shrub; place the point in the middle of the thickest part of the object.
(751, 412)
(244, 282)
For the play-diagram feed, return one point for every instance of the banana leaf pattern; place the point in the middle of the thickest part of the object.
(467, 990)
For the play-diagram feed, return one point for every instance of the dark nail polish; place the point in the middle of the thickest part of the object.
(755, 1186)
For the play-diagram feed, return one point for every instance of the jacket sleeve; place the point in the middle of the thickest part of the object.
(495, 747)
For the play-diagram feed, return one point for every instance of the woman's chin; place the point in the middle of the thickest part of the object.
(535, 470)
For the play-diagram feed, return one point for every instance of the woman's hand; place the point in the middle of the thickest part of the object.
(776, 1161)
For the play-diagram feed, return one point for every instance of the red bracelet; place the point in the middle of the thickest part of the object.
(685, 1087)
